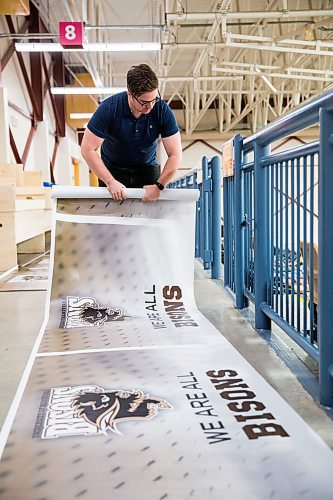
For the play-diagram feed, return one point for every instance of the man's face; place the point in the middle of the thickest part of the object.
(145, 102)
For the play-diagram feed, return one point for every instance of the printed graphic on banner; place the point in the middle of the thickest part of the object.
(27, 277)
(85, 311)
(227, 433)
(224, 417)
(173, 308)
(87, 410)
(243, 402)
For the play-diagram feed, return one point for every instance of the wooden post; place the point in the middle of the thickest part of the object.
(4, 127)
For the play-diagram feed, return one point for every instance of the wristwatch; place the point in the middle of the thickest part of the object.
(159, 185)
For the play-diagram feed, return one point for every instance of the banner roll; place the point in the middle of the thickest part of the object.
(130, 392)
(102, 192)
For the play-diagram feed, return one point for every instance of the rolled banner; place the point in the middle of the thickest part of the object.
(102, 192)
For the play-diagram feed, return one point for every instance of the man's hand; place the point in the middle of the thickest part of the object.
(117, 190)
(152, 193)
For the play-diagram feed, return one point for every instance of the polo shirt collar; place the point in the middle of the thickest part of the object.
(127, 111)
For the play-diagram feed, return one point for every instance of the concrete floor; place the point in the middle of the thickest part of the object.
(22, 314)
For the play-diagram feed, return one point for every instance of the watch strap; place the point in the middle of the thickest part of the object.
(159, 185)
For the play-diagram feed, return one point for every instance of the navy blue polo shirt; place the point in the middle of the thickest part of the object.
(128, 141)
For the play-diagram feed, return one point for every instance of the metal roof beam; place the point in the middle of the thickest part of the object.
(276, 14)
(256, 72)
(249, 46)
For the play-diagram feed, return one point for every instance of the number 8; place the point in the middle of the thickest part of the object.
(70, 32)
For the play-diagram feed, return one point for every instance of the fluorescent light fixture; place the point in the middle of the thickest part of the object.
(88, 47)
(80, 116)
(86, 90)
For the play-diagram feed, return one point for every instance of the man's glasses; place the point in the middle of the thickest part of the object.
(147, 103)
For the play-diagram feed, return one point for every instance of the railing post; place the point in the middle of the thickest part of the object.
(227, 230)
(187, 181)
(325, 250)
(197, 217)
(201, 223)
(261, 236)
(239, 230)
(206, 187)
(216, 218)
(195, 180)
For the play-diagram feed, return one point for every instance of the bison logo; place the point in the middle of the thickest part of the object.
(105, 409)
(90, 410)
(85, 311)
(97, 316)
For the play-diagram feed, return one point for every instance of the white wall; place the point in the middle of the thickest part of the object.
(41, 150)
(4, 127)
(193, 151)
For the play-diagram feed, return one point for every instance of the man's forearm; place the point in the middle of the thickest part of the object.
(169, 170)
(97, 166)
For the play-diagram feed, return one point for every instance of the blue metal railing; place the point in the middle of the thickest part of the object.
(293, 176)
(208, 213)
(294, 257)
(276, 253)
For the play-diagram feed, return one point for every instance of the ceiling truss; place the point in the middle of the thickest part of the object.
(233, 66)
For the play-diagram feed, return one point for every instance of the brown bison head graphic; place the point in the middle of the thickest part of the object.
(97, 316)
(85, 311)
(105, 409)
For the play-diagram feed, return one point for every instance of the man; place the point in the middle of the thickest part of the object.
(127, 126)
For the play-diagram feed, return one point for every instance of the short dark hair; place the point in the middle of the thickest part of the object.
(141, 79)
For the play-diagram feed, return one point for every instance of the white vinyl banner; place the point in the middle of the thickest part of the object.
(130, 393)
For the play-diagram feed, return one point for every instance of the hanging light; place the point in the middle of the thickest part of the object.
(88, 47)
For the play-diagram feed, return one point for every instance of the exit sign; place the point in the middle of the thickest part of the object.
(71, 34)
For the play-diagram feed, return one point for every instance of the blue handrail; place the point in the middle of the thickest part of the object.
(208, 213)
(278, 231)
